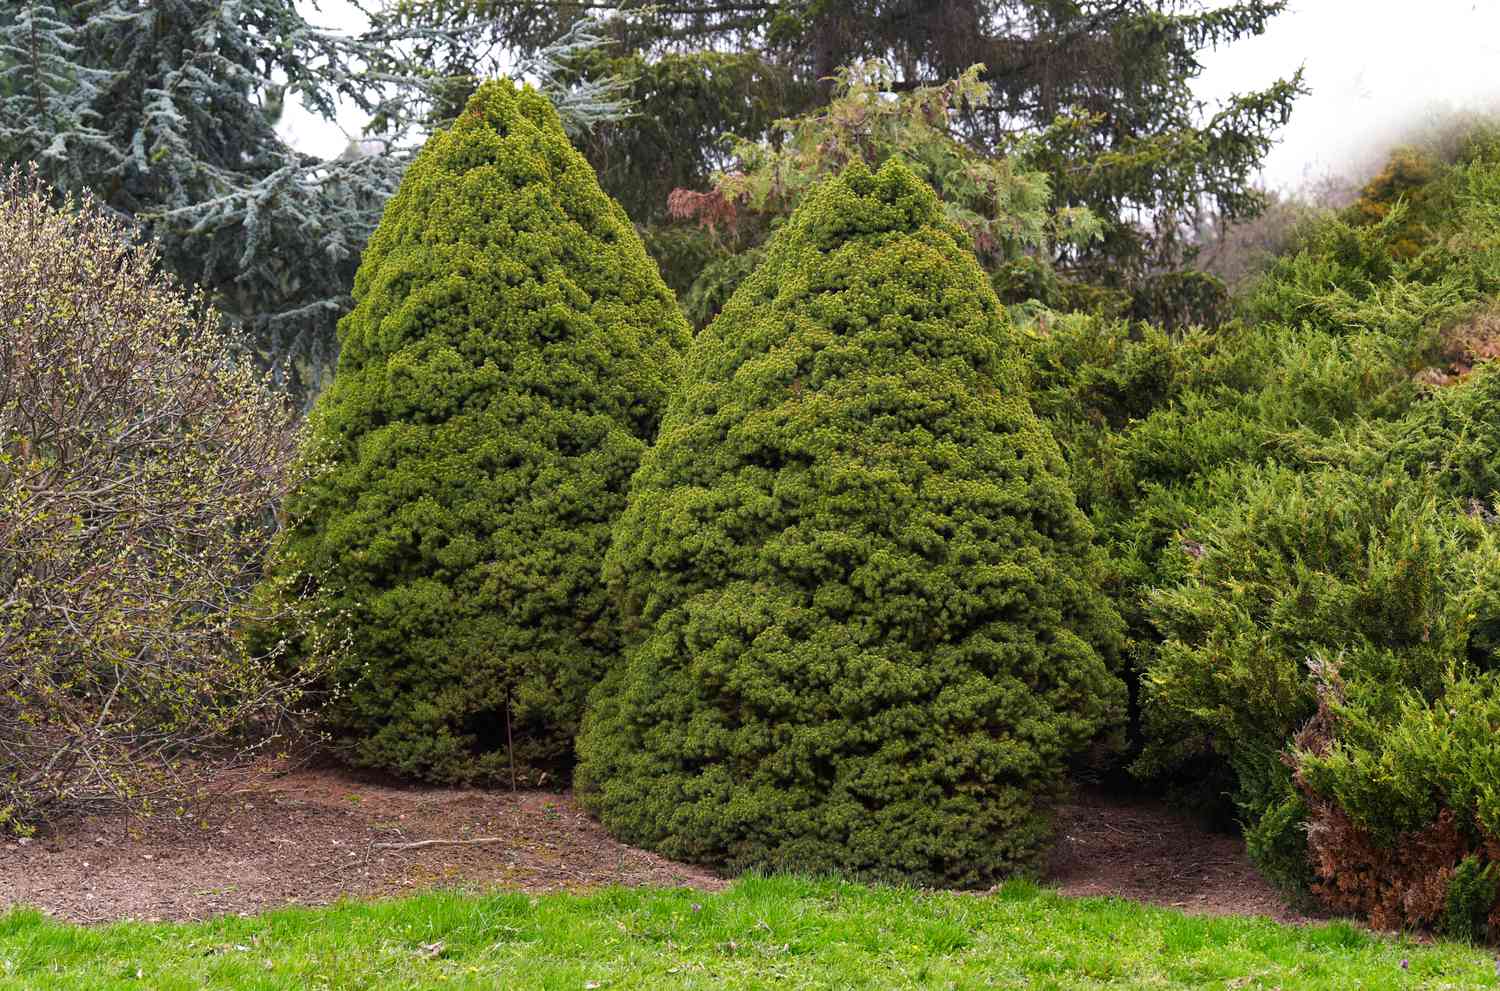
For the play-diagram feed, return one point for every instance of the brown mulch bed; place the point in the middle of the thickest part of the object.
(314, 836)
(320, 834)
(1144, 851)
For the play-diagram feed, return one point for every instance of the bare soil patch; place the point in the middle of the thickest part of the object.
(319, 834)
(1144, 850)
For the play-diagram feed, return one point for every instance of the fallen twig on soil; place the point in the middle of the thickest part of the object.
(421, 843)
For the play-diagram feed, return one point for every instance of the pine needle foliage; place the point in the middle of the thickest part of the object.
(504, 368)
(1454, 439)
(1306, 515)
(168, 114)
(869, 635)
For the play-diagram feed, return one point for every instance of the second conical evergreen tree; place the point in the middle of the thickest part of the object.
(504, 368)
(870, 635)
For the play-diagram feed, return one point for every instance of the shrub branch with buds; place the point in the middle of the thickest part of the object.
(141, 466)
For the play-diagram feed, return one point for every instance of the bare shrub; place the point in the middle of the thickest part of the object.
(1237, 252)
(140, 471)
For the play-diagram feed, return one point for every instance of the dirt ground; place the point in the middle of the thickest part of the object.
(318, 834)
(1144, 851)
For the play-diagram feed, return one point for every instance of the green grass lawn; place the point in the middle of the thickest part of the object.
(778, 932)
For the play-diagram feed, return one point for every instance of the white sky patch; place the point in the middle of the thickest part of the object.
(1376, 68)
(309, 132)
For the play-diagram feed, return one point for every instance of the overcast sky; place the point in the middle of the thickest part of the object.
(1376, 68)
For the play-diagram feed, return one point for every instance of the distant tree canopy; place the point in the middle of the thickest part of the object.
(1094, 93)
(167, 113)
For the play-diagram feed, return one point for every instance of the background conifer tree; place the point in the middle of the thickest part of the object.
(503, 370)
(870, 635)
(1098, 95)
(168, 114)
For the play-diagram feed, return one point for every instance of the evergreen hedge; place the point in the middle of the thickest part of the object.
(505, 366)
(1454, 439)
(869, 631)
(1319, 562)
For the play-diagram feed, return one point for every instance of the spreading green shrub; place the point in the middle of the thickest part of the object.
(1330, 337)
(1471, 901)
(1343, 279)
(1454, 438)
(1422, 188)
(502, 372)
(1288, 496)
(869, 631)
(1299, 573)
(1404, 813)
(1323, 364)
(1152, 418)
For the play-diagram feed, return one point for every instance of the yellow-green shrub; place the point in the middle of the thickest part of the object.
(504, 368)
(870, 633)
(141, 467)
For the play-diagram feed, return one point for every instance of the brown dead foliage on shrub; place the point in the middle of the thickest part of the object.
(1406, 881)
(1395, 885)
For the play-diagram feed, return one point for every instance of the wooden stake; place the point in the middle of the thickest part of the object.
(510, 743)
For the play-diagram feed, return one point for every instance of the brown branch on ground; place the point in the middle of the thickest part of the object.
(418, 844)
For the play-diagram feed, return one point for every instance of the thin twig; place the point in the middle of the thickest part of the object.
(423, 843)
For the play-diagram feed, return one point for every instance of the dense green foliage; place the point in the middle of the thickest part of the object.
(1003, 208)
(1304, 577)
(870, 636)
(1156, 422)
(1104, 84)
(1058, 111)
(1454, 439)
(683, 106)
(504, 368)
(1299, 511)
(760, 932)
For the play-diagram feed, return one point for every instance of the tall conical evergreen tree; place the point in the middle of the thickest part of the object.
(506, 364)
(870, 636)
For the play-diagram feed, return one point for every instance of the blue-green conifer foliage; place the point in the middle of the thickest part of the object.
(868, 633)
(505, 366)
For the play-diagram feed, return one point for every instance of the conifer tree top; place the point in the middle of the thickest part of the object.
(504, 368)
(866, 247)
(871, 631)
(501, 232)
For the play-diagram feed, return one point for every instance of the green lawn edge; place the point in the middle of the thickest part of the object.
(762, 932)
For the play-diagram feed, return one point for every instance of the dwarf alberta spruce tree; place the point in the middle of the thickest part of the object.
(505, 366)
(869, 636)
